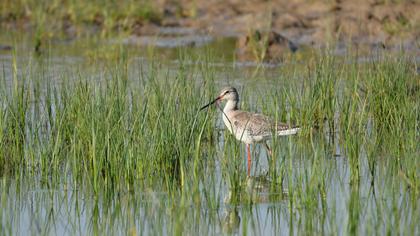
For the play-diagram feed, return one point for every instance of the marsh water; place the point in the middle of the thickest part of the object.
(307, 187)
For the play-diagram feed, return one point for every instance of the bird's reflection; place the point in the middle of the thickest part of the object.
(232, 220)
(261, 189)
(257, 189)
(253, 190)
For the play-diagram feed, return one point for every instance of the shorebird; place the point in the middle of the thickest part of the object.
(249, 127)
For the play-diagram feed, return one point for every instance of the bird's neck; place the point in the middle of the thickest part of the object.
(231, 105)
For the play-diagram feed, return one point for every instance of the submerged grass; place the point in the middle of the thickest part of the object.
(112, 130)
(134, 155)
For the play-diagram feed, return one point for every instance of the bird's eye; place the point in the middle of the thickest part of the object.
(227, 92)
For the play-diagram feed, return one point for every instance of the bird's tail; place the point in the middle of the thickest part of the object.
(290, 131)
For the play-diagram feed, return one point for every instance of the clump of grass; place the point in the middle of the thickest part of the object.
(319, 91)
(104, 129)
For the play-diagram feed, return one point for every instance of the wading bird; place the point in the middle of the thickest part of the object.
(249, 127)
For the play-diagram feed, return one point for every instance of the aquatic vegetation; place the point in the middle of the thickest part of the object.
(121, 148)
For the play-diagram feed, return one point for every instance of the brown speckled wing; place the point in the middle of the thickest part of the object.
(257, 124)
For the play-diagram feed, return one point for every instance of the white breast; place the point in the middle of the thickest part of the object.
(240, 133)
(227, 122)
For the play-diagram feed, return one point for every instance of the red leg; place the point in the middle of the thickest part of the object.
(249, 159)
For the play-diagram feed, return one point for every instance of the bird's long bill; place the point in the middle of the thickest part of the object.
(210, 103)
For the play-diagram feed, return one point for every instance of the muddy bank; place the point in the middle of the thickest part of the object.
(375, 24)
(304, 22)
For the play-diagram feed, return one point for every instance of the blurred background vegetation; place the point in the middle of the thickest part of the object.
(382, 19)
(75, 18)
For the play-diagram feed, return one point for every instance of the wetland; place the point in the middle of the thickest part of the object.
(102, 136)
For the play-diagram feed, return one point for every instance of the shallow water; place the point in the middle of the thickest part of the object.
(317, 195)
